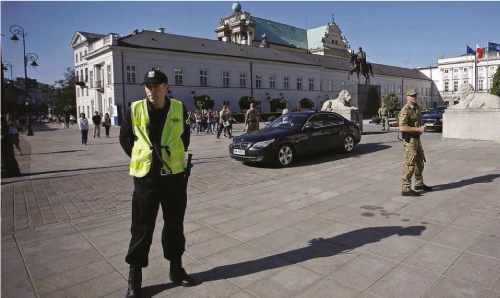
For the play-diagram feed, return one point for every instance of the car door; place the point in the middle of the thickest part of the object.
(315, 134)
(333, 129)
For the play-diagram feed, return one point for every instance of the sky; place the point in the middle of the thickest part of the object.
(405, 34)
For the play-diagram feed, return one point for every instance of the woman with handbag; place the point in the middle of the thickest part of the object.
(107, 124)
(83, 124)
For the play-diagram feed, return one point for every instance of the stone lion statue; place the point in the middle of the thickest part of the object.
(471, 100)
(343, 102)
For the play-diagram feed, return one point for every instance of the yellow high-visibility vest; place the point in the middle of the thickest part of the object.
(142, 152)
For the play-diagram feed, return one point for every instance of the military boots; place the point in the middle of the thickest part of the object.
(134, 283)
(178, 274)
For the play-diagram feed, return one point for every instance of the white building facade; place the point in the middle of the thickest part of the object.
(453, 72)
(110, 70)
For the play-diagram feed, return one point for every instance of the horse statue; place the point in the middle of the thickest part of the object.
(356, 66)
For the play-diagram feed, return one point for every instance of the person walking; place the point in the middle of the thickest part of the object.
(383, 114)
(13, 132)
(410, 122)
(66, 120)
(83, 124)
(72, 120)
(210, 118)
(155, 134)
(96, 119)
(107, 124)
(223, 121)
(252, 119)
(198, 122)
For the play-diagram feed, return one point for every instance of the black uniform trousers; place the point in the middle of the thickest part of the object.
(149, 193)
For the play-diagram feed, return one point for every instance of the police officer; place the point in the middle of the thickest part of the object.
(410, 122)
(383, 114)
(155, 134)
(252, 119)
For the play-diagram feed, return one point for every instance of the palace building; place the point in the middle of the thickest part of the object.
(250, 56)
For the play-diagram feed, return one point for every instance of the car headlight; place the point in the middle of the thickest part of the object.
(263, 144)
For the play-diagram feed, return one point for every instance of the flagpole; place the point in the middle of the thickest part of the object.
(475, 69)
(487, 69)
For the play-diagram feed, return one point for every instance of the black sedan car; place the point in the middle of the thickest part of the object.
(434, 119)
(296, 134)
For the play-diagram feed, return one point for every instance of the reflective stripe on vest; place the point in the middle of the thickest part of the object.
(142, 153)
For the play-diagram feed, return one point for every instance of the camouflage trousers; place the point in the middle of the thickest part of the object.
(385, 122)
(414, 163)
(252, 126)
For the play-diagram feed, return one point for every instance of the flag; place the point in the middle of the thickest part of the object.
(493, 47)
(470, 51)
(479, 51)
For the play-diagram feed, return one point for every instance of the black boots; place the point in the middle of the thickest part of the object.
(178, 274)
(134, 283)
(410, 193)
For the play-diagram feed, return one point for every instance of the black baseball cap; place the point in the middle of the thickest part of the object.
(155, 77)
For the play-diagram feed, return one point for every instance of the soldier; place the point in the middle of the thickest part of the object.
(383, 114)
(410, 121)
(252, 119)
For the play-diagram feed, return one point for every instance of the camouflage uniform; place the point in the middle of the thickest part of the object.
(384, 117)
(252, 120)
(414, 154)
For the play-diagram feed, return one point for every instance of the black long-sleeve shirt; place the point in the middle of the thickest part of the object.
(157, 118)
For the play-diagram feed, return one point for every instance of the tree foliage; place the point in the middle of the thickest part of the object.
(391, 102)
(306, 103)
(245, 102)
(495, 89)
(204, 102)
(277, 103)
(62, 94)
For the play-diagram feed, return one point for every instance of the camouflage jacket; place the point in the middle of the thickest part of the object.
(410, 116)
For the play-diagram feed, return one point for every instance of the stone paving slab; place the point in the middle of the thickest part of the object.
(331, 225)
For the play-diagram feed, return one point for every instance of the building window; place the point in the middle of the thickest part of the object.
(399, 88)
(311, 83)
(299, 83)
(342, 83)
(320, 85)
(258, 81)
(178, 76)
(203, 77)
(455, 70)
(286, 83)
(91, 79)
(108, 68)
(491, 84)
(480, 70)
(480, 85)
(87, 91)
(465, 69)
(330, 85)
(446, 71)
(81, 55)
(130, 74)
(466, 81)
(455, 86)
(393, 88)
(272, 82)
(226, 103)
(446, 86)
(81, 74)
(225, 79)
(243, 80)
(386, 88)
(86, 74)
(85, 53)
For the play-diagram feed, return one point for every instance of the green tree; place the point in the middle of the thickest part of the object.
(204, 102)
(306, 103)
(391, 102)
(245, 102)
(495, 89)
(62, 94)
(277, 103)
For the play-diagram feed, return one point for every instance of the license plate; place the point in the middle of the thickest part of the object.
(429, 124)
(239, 151)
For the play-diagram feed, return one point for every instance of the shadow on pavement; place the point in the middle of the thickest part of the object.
(55, 152)
(317, 248)
(481, 179)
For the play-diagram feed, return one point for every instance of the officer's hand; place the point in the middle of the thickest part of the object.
(422, 128)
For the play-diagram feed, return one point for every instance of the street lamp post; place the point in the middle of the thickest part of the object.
(16, 29)
(6, 66)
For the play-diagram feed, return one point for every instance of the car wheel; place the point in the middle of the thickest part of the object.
(348, 144)
(284, 156)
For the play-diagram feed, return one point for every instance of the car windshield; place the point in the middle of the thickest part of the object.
(289, 120)
(436, 111)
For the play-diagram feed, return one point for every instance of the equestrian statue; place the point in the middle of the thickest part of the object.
(358, 64)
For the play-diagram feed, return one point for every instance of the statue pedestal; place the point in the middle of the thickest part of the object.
(472, 124)
(366, 97)
(353, 115)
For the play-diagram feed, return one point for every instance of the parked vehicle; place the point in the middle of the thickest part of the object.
(295, 134)
(434, 119)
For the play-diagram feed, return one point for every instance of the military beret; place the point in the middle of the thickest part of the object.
(411, 92)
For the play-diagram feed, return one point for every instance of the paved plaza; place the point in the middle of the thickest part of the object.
(331, 225)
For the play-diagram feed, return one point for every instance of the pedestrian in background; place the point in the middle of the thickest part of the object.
(210, 118)
(223, 121)
(13, 132)
(83, 124)
(96, 119)
(66, 120)
(198, 122)
(107, 124)
(383, 114)
(252, 119)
